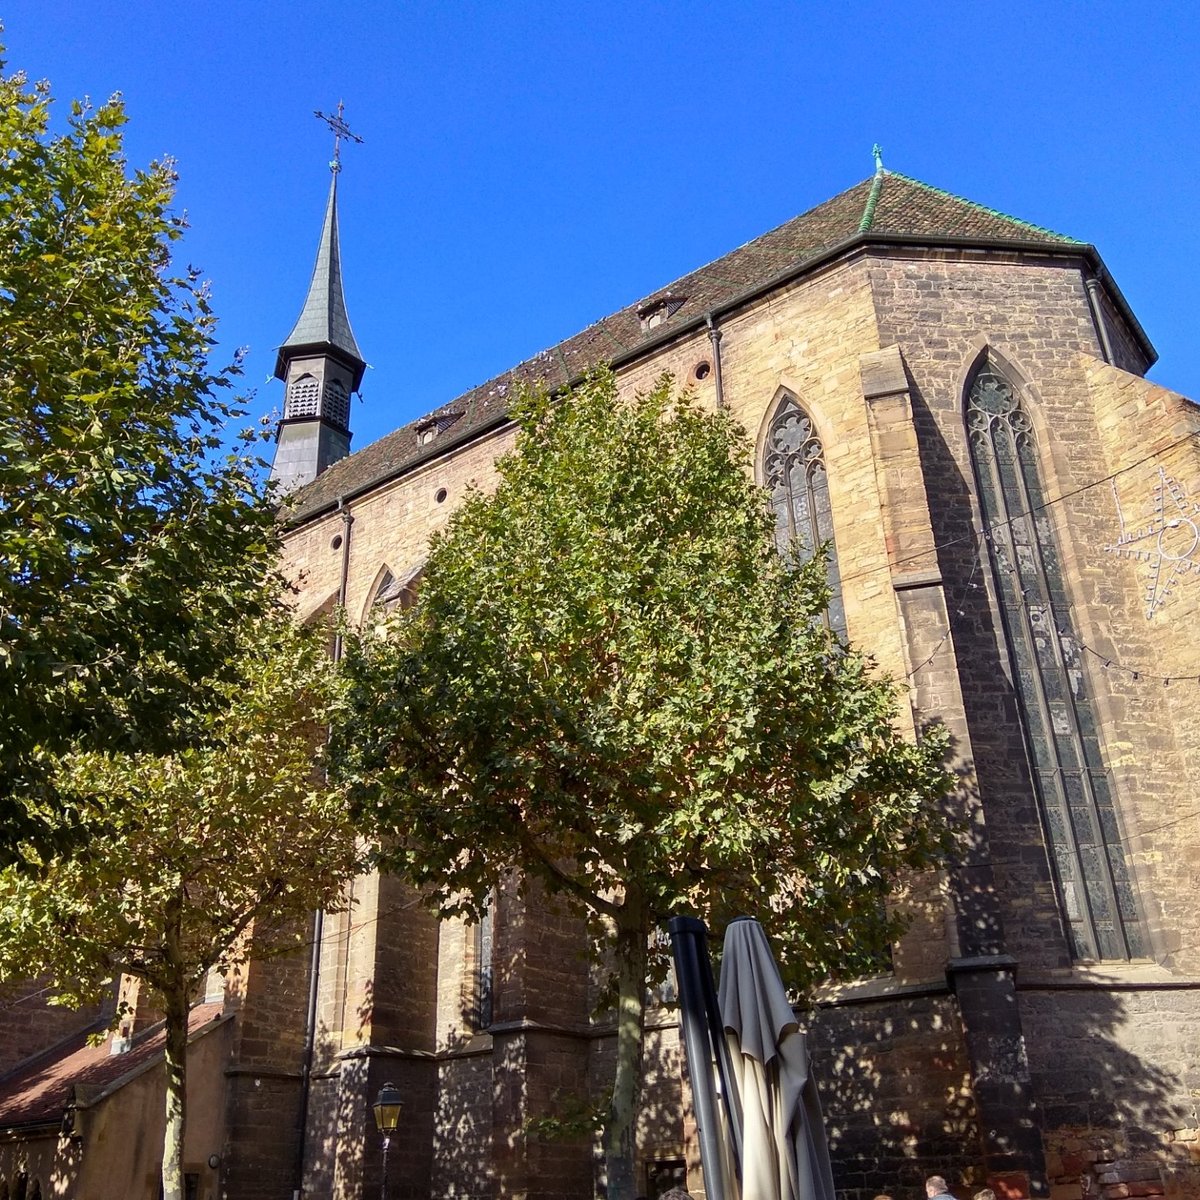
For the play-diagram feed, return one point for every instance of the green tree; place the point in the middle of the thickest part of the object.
(131, 545)
(615, 686)
(198, 859)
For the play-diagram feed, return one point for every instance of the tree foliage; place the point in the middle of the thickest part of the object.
(198, 858)
(614, 684)
(162, 722)
(131, 546)
(191, 847)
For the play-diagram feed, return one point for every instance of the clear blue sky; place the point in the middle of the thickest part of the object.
(530, 167)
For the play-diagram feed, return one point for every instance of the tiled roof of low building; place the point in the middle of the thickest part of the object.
(39, 1091)
(887, 205)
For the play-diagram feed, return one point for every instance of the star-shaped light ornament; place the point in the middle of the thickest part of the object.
(1168, 543)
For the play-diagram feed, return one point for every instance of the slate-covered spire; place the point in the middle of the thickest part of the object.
(320, 363)
(323, 324)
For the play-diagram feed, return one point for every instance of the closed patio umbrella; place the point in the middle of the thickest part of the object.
(784, 1153)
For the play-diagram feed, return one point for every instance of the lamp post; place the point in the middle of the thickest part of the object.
(387, 1117)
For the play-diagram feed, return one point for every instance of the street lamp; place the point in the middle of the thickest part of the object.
(387, 1117)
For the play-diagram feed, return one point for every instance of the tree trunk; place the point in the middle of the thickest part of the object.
(175, 1001)
(633, 933)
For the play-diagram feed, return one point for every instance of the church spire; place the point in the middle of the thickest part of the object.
(320, 362)
(323, 321)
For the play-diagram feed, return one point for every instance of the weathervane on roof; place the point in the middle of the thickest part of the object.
(340, 130)
(877, 151)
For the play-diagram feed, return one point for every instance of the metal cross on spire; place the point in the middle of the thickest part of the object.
(340, 130)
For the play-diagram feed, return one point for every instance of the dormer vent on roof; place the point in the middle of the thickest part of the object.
(435, 426)
(655, 311)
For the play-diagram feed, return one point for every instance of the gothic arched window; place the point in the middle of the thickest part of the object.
(483, 977)
(301, 399)
(337, 403)
(392, 593)
(794, 471)
(1061, 731)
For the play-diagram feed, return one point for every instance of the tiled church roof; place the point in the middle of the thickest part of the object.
(886, 206)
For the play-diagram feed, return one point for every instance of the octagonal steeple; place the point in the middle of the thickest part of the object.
(324, 324)
(320, 362)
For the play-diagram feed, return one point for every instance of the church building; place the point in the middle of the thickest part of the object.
(954, 401)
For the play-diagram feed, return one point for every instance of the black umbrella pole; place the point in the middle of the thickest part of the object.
(729, 1089)
(690, 952)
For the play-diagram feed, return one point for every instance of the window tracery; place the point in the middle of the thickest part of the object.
(392, 593)
(795, 476)
(1062, 735)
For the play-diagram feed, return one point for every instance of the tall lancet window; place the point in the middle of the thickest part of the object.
(794, 471)
(484, 949)
(1059, 719)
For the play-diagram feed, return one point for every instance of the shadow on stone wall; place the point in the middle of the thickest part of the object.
(1113, 1072)
(1101, 1057)
(494, 1112)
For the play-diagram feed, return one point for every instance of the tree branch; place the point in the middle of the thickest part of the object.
(567, 882)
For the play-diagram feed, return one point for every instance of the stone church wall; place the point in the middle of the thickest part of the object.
(878, 349)
(1104, 1056)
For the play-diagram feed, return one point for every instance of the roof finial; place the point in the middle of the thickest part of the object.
(877, 151)
(340, 130)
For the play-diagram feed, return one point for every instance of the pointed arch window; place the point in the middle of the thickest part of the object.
(485, 933)
(794, 471)
(392, 593)
(1073, 787)
(325, 615)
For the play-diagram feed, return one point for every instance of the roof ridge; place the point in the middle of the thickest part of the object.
(992, 212)
(868, 216)
(858, 214)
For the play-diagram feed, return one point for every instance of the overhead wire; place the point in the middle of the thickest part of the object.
(891, 564)
(984, 537)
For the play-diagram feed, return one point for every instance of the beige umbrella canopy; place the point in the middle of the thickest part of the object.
(784, 1154)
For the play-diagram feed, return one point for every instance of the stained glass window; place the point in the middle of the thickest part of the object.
(1061, 732)
(794, 471)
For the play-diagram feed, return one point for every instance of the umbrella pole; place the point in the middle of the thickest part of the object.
(716, 1024)
(689, 950)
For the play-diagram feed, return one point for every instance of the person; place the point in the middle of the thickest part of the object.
(936, 1185)
(984, 1194)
